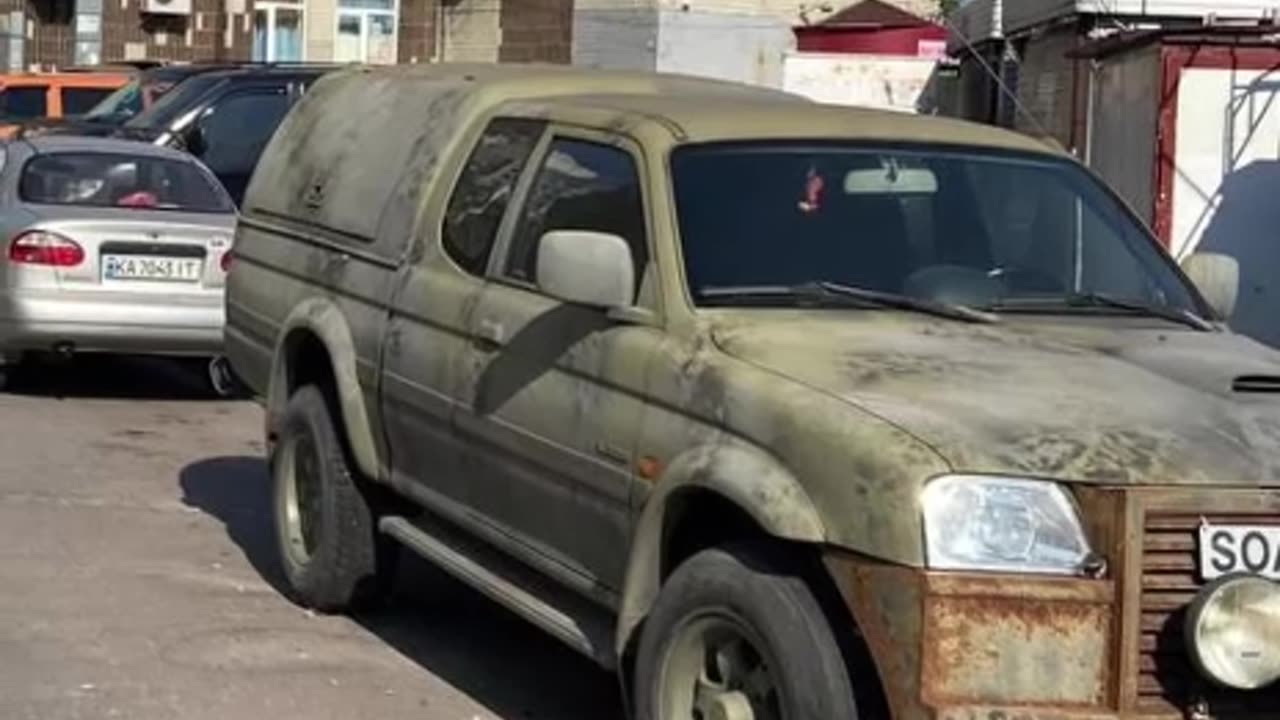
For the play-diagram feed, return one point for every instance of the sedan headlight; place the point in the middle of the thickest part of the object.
(1002, 525)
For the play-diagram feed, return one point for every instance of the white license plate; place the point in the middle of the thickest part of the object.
(1227, 549)
(151, 267)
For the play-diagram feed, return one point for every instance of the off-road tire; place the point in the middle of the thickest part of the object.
(751, 585)
(351, 566)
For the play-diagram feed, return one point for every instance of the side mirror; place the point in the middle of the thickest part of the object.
(587, 268)
(1218, 279)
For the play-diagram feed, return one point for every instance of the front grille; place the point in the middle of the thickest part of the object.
(1170, 580)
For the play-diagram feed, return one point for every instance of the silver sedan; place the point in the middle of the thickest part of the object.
(111, 246)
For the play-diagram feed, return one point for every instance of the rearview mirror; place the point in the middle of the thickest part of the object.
(891, 180)
(1217, 277)
(587, 268)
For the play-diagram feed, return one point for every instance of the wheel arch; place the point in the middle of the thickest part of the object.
(746, 488)
(315, 346)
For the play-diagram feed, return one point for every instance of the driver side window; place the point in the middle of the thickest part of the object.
(580, 186)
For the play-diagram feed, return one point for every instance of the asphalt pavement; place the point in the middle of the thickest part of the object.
(138, 580)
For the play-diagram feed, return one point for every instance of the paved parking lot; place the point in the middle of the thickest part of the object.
(137, 580)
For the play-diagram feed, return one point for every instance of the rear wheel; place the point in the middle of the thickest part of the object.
(333, 557)
(733, 636)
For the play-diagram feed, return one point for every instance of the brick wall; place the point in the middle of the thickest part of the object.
(52, 40)
(536, 31)
(417, 32)
(128, 33)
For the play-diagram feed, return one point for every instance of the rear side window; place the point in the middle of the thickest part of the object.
(24, 102)
(483, 192)
(78, 101)
(120, 181)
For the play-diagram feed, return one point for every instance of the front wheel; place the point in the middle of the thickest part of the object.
(735, 637)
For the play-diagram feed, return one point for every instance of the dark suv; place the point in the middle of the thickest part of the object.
(224, 117)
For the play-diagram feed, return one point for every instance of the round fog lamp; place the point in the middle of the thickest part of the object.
(1233, 632)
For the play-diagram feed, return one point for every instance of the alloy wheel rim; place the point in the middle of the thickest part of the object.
(713, 669)
(301, 498)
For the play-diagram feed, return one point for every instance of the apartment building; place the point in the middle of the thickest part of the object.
(739, 39)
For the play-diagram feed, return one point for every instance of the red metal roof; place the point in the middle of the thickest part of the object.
(873, 13)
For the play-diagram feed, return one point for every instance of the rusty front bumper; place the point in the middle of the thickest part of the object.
(960, 646)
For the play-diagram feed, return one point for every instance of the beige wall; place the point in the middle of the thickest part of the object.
(473, 31)
(320, 29)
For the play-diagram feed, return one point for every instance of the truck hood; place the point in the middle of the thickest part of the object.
(1113, 401)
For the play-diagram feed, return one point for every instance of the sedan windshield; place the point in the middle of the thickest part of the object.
(92, 179)
(977, 228)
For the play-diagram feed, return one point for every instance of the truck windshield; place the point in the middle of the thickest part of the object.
(975, 227)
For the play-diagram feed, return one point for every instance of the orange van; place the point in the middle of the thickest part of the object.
(26, 96)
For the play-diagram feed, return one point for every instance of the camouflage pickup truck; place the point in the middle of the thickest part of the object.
(782, 411)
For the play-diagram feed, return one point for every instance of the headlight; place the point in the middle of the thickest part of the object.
(1002, 525)
(1233, 632)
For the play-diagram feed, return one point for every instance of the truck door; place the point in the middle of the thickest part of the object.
(427, 330)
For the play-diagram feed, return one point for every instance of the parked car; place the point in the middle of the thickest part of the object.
(27, 96)
(112, 246)
(131, 99)
(780, 410)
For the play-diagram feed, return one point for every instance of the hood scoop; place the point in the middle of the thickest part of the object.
(1257, 384)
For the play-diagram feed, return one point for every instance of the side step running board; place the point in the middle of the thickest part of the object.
(567, 616)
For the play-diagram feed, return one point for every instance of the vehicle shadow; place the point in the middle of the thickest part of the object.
(450, 630)
(109, 377)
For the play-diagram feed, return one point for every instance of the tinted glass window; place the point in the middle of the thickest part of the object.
(120, 105)
(484, 190)
(238, 128)
(24, 102)
(580, 186)
(78, 101)
(120, 181)
(995, 229)
(175, 102)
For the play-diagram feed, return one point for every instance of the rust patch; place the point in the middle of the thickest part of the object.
(1020, 642)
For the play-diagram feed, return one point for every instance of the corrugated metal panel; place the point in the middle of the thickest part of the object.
(1046, 84)
(1023, 14)
(1122, 145)
(979, 20)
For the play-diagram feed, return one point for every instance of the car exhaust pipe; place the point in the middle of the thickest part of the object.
(222, 378)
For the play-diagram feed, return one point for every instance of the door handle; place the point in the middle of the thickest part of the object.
(488, 336)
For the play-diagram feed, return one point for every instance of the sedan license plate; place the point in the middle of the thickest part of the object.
(151, 267)
(1228, 549)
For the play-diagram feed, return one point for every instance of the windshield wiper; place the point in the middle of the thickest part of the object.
(826, 293)
(1105, 300)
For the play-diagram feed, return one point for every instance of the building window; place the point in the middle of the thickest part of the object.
(277, 32)
(366, 31)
